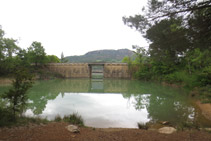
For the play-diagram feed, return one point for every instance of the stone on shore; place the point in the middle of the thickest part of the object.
(167, 130)
(73, 128)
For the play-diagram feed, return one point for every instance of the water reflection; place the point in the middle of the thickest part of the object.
(110, 103)
(97, 85)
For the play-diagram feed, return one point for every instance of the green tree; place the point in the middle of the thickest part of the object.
(2, 48)
(10, 46)
(168, 41)
(157, 10)
(53, 59)
(17, 94)
(199, 25)
(63, 60)
(37, 53)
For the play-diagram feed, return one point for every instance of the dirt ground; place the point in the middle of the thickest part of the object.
(58, 132)
(205, 109)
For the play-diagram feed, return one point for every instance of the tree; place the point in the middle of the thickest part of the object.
(10, 46)
(199, 29)
(157, 10)
(173, 28)
(63, 60)
(17, 94)
(168, 40)
(2, 48)
(37, 53)
(53, 59)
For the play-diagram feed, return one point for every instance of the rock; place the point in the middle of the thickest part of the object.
(73, 128)
(164, 122)
(205, 129)
(167, 130)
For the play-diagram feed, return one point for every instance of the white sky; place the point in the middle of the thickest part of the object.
(73, 27)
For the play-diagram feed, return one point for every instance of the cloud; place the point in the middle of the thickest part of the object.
(74, 27)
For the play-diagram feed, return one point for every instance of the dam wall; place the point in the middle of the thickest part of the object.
(84, 70)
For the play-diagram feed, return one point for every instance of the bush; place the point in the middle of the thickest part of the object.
(177, 77)
(6, 117)
(205, 94)
(74, 119)
(182, 77)
(142, 126)
(204, 76)
(58, 118)
(144, 72)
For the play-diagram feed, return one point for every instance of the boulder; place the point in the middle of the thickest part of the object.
(164, 122)
(167, 130)
(73, 128)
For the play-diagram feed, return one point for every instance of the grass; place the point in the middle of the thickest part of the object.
(142, 126)
(58, 118)
(187, 126)
(7, 119)
(74, 119)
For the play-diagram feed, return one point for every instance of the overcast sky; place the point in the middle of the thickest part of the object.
(73, 27)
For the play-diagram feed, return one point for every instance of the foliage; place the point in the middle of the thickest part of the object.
(17, 94)
(206, 94)
(101, 56)
(8, 48)
(58, 118)
(6, 117)
(74, 119)
(63, 59)
(52, 59)
(127, 59)
(187, 126)
(157, 10)
(180, 42)
(168, 40)
(142, 126)
(37, 53)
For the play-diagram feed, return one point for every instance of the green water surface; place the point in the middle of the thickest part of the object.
(110, 102)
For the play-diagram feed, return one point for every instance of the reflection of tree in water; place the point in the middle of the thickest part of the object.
(43, 91)
(162, 103)
(175, 110)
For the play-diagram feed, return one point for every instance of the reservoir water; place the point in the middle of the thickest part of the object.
(110, 102)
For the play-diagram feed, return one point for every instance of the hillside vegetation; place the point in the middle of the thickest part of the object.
(101, 56)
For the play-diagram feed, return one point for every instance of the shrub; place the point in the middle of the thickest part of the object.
(204, 76)
(189, 80)
(58, 118)
(142, 126)
(17, 96)
(6, 117)
(74, 119)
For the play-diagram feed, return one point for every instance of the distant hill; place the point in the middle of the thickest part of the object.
(101, 56)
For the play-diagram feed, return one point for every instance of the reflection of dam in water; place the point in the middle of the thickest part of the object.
(84, 85)
(96, 85)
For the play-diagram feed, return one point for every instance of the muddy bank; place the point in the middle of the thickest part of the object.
(5, 81)
(205, 109)
(57, 131)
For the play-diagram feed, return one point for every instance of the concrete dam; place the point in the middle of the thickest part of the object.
(85, 70)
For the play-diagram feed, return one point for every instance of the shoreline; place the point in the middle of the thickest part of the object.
(58, 131)
(205, 109)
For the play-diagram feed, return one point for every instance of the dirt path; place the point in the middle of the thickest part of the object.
(205, 109)
(58, 132)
